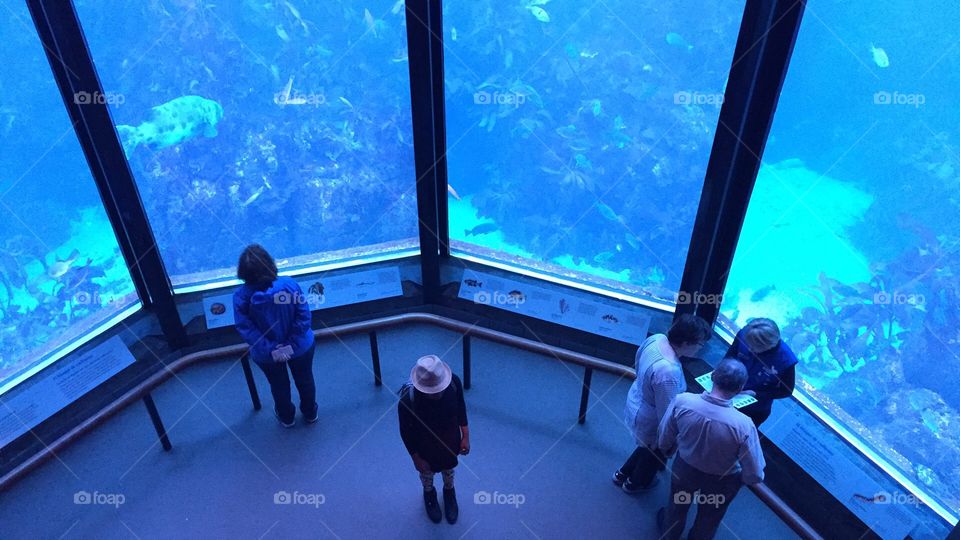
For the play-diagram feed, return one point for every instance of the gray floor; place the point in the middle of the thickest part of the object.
(229, 462)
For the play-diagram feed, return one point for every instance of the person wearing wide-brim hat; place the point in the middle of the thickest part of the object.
(433, 426)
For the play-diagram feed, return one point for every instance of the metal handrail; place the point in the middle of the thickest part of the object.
(589, 363)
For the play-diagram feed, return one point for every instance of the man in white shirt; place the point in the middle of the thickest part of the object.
(718, 450)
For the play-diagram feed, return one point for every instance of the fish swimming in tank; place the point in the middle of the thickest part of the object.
(172, 123)
(60, 267)
(483, 228)
(677, 40)
(880, 57)
(762, 293)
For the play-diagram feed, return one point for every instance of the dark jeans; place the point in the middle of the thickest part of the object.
(301, 368)
(642, 465)
(715, 495)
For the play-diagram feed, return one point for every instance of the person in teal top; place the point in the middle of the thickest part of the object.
(273, 317)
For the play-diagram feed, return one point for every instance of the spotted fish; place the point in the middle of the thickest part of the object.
(172, 123)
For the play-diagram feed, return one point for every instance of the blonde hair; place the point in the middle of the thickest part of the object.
(761, 335)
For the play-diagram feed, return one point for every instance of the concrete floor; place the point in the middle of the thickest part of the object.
(229, 462)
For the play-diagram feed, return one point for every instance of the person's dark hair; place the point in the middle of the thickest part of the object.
(688, 328)
(256, 267)
(730, 376)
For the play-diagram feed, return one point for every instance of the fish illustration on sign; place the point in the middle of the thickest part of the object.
(516, 295)
(218, 308)
(610, 318)
(316, 288)
(564, 306)
(473, 283)
(174, 122)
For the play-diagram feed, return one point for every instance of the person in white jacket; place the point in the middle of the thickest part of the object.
(659, 379)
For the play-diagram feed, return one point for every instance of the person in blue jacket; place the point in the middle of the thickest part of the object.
(273, 317)
(770, 366)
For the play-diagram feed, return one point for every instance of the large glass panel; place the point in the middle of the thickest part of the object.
(285, 123)
(61, 272)
(852, 238)
(579, 132)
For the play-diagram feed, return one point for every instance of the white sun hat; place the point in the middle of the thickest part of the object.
(431, 375)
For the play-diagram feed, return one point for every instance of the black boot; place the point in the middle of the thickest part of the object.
(433, 507)
(450, 506)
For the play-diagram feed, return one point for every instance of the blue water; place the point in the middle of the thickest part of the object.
(578, 137)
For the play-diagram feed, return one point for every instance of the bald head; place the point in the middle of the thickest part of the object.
(729, 376)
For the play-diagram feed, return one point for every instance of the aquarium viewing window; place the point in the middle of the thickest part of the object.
(578, 136)
(62, 277)
(283, 123)
(852, 242)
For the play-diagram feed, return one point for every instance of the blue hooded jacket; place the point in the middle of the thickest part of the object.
(279, 315)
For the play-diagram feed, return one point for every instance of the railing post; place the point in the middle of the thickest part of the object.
(466, 361)
(251, 384)
(375, 353)
(585, 393)
(157, 423)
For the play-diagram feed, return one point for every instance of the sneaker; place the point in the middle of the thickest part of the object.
(619, 478)
(432, 505)
(315, 417)
(631, 488)
(450, 507)
(282, 423)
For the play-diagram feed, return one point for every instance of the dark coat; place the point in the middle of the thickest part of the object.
(431, 427)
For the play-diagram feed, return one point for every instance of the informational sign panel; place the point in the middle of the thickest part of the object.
(60, 386)
(891, 513)
(555, 306)
(320, 293)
